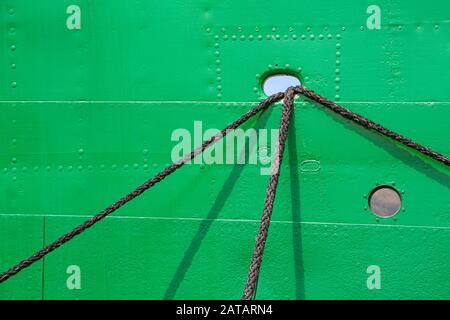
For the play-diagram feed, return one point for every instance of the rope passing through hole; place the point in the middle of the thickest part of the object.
(255, 264)
(256, 261)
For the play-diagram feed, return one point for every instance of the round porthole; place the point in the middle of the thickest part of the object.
(385, 201)
(279, 83)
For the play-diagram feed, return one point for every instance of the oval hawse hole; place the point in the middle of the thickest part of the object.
(279, 83)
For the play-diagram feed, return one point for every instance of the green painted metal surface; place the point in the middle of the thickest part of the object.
(87, 114)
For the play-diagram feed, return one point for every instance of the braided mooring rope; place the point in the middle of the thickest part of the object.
(256, 261)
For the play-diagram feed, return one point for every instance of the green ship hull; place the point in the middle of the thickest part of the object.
(92, 91)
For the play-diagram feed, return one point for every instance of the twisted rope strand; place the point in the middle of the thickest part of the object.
(271, 191)
(369, 124)
(255, 264)
(138, 191)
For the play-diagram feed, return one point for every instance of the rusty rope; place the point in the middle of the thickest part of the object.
(369, 124)
(271, 190)
(255, 264)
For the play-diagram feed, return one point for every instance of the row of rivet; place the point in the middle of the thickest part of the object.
(13, 47)
(224, 37)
